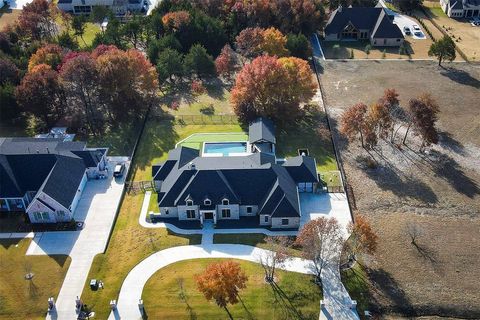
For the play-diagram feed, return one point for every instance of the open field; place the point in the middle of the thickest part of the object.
(466, 36)
(296, 296)
(439, 190)
(27, 299)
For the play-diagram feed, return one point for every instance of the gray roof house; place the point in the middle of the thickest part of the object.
(254, 186)
(363, 23)
(461, 8)
(45, 177)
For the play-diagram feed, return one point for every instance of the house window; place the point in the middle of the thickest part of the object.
(207, 202)
(39, 216)
(225, 202)
(266, 218)
(284, 222)
(190, 214)
(249, 209)
(225, 213)
(384, 41)
(166, 211)
(189, 203)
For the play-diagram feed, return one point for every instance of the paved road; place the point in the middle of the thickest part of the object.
(97, 207)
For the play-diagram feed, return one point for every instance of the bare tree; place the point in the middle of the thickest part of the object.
(322, 241)
(275, 257)
(414, 231)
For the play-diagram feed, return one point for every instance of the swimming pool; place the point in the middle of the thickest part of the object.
(224, 148)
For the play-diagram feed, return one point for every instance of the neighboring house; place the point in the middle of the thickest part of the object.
(198, 188)
(119, 7)
(461, 8)
(45, 177)
(363, 23)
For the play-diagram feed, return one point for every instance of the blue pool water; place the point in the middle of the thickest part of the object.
(225, 148)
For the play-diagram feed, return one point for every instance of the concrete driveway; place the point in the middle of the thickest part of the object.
(404, 21)
(97, 208)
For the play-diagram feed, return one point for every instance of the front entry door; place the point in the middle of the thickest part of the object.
(208, 215)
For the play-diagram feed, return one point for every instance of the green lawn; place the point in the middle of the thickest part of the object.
(215, 101)
(171, 294)
(196, 140)
(251, 239)
(27, 299)
(91, 30)
(356, 282)
(119, 140)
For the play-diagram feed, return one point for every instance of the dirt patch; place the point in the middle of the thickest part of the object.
(466, 36)
(418, 49)
(439, 189)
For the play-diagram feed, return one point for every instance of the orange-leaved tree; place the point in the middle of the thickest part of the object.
(274, 43)
(221, 281)
(352, 122)
(362, 238)
(50, 54)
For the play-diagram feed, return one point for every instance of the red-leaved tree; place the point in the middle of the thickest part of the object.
(272, 88)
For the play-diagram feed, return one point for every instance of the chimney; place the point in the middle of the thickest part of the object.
(339, 8)
(192, 166)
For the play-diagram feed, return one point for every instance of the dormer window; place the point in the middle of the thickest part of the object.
(189, 202)
(225, 202)
(207, 202)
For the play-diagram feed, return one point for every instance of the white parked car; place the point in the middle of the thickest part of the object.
(416, 28)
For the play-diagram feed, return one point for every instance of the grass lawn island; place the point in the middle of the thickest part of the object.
(234, 184)
(45, 176)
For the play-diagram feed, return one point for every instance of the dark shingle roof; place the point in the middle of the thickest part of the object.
(52, 165)
(262, 129)
(91, 158)
(363, 18)
(384, 28)
(248, 180)
(360, 17)
(63, 180)
(302, 169)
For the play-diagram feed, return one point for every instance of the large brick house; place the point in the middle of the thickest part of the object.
(195, 187)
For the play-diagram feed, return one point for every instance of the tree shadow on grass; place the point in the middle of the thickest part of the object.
(387, 178)
(183, 296)
(215, 88)
(287, 303)
(386, 286)
(305, 133)
(447, 141)
(452, 172)
(158, 138)
(460, 76)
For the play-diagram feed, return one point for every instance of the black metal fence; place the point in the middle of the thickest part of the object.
(219, 119)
